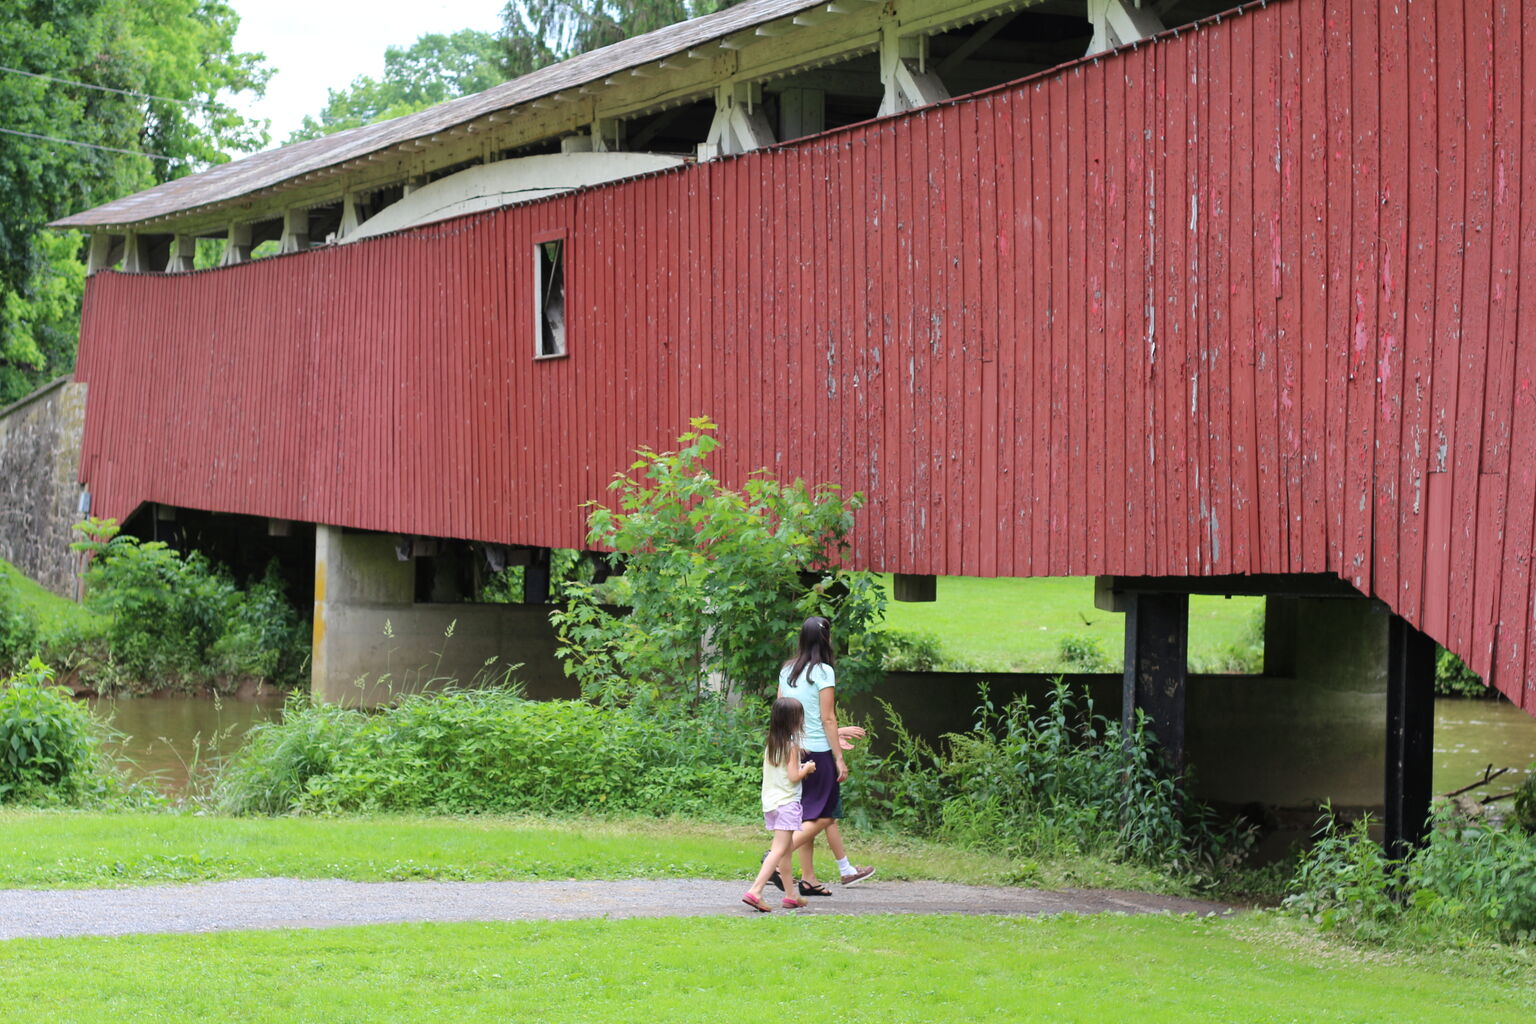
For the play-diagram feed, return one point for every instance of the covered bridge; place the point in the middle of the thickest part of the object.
(1235, 294)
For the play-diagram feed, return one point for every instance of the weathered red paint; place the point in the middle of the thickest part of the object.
(1247, 299)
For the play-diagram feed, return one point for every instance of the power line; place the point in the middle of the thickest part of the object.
(101, 88)
(90, 145)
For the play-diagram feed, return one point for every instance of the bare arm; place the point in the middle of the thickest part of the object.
(829, 726)
(798, 769)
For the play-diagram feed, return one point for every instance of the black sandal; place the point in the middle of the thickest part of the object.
(813, 889)
(774, 879)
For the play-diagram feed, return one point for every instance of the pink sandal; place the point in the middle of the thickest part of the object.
(793, 903)
(756, 903)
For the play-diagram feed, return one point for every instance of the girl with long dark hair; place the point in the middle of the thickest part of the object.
(810, 677)
(783, 775)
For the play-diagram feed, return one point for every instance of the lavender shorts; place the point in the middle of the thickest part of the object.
(784, 818)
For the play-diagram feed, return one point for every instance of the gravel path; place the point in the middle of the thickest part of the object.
(298, 903)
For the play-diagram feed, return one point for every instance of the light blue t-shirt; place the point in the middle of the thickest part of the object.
(808, 692)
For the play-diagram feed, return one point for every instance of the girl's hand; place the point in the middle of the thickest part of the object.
(807, 767)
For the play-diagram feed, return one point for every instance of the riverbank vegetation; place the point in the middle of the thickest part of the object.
(153, 619)
(955, 968)
(1470, 881)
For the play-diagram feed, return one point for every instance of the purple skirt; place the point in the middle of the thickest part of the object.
(820, 792)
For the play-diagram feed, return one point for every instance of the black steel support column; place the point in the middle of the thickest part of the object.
(1410, 735)
(536, 578)
(1156, 649)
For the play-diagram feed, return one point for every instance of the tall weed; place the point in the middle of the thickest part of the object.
(1468, 880)
(492, 751)
(1058, 781)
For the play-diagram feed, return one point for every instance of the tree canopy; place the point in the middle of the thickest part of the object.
(99, 98)
(433, 69)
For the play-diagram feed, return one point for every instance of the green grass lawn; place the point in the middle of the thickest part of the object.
(47, 610)
(1017, 625)
(41, 849)
(742, 970)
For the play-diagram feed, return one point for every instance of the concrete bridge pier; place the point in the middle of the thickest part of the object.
(381, 632)
(1343, 712)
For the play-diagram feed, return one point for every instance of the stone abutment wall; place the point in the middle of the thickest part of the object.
(39, 483)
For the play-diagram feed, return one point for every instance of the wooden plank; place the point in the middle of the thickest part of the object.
(1074, 302)
(1244, 331)
(888, 326)
(992, 252)
(948, 310)
(919, 510)
(1392, 248)
(1020, 287)
(962, 299)
(1107, 313)
(1473, 349)
(1179, 495)
(1058, 300)
(1313, 184)
(1283, 68)
(1268, 525)
(1042, 252)
(1128, 102)
(1419, 300)
(1340, 263)
(1516, 664)
(1450, 60)
(1093, 203)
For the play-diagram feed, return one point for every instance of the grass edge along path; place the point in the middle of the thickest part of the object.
(1170, 969)
(86, 849)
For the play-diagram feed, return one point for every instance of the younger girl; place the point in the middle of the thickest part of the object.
(782, 772)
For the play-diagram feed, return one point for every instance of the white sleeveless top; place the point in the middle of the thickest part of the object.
(777, 789)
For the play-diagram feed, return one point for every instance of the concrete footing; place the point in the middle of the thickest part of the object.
(373, 643)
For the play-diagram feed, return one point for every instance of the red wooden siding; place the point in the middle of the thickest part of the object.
(1248, 299)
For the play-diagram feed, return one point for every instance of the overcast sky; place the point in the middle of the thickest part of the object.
(316, 45)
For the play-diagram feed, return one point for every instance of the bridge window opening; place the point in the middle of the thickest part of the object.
(545, 145)
(324, 221)
(676, 130)
(1226, 635)
(549, 297)
(443, 172)
(821, 99)
(266, 238)
(1002, 49)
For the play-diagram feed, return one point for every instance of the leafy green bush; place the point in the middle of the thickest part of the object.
(1467, 880)
(47, 744)
(1476, 877)
(1345, 880)
(717, 582)
(1083, 652)
(1454, 679)
(18, 636)
(468, 751)
(1062, 781)
(178, 618)
(910, 651)
(1524, 812)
